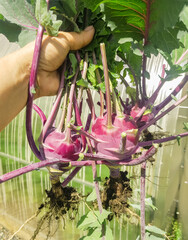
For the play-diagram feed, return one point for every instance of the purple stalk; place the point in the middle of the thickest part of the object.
(142, 195)
(84, 72)
(33, 76)
(158, 141)
(69, 111)
(96, 186)
(62, 120)
(152, 99)
(143, 93)
(98, 195)
(85, 133)
(79, 121)
(40, 113)
(174, 93)
(98, 77)
(91, 104)
(55, 107)
(162, 114)
(82, 163)
(70, 177)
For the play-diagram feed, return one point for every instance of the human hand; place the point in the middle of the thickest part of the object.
(53, 52)
(16, 67)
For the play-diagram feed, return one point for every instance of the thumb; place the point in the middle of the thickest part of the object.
(75, 40)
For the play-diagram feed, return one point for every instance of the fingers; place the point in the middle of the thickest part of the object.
(78, 40)
(47, 84)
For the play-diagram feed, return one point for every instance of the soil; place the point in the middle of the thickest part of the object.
(115, 194)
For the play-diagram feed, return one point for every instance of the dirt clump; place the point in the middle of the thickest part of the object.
(115, 194)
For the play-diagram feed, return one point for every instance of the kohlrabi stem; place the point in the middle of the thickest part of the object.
(142, 197)
(122, 146)
(69, 111)
(116, 106)
(35, 166)
(94, 169)
(32, 81)
(85, 133)
(91, 104)
(99, 81)
(62, 120)
(96, 186)
(79, 121)
(154, 120)
(162, 140)
(174, 93)
(152, 99)
(84, 73)
(70, 176)
(55, 107)
(40, 113)
(48, 4)
(107, 86)
(114, 172)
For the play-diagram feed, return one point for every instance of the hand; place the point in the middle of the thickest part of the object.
(15, 71)
(53, 53)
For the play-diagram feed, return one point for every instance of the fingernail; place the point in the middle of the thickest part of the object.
(89, 28)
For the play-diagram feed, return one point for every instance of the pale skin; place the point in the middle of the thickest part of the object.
(15, 71)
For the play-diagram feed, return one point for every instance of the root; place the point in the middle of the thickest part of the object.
(115, 194)
(23, 225)
(55, 208)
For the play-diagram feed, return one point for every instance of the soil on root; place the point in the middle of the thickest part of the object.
(115, 194)
(55, 208)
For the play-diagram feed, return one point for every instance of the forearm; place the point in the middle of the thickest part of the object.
(14, 79)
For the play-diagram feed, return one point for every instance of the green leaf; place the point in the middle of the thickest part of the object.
(26, 36)
(179, 54)
(150, 236)
(102, 216)
(167, 39)
(10, 30)
(93, 234)
(74, 63)
(19, 12)
(46, 18)
(108, 233)
(2, 17)
(92, 196)
(101, 86)
(149, 202)
(88, 220)
(178, 138)
(165, 14)
(83, 83)
(98, 179)
(185, 126)
(154, 229)
(131, 92)
(91, 74)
